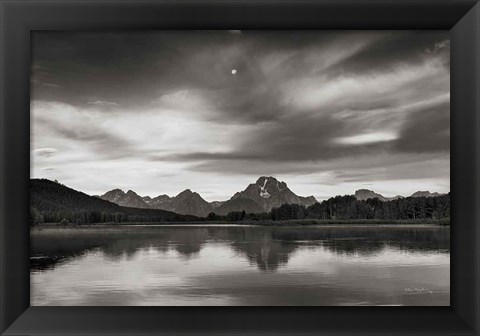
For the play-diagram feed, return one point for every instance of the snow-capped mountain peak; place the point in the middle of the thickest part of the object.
(263, 191)
(263, 195)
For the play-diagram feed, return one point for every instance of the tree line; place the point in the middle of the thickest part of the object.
(349, 208)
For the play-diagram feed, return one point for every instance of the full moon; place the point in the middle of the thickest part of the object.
(234, 71)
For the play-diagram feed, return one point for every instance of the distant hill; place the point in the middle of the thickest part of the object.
(239, 204)
(364, 194)
(307, 201)
(425, 194)
(52, 202)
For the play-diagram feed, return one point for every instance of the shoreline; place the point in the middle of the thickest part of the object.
(307, 222)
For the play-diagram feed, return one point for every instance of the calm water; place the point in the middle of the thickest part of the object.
(241, 265)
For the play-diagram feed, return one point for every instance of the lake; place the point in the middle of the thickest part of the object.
(233, 265)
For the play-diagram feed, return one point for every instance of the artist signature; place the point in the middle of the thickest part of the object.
(418, 290)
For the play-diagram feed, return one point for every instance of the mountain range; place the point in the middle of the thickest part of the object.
(54, 201)
(364, 194)
(263, 195)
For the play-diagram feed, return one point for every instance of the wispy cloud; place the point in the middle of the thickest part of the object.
(51, 85)
(45, 152)
(103, 103)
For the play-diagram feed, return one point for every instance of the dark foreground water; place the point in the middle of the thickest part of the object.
(241, 265)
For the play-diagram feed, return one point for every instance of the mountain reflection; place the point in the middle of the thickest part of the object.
(266, 247)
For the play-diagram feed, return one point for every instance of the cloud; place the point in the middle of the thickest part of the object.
(427, 130)
(51, 85)
(184, 101)
(383, 88)
(103, 103)
(365, 138)
(45, 152)
(439, 48)
(70, 125)
(392, 50)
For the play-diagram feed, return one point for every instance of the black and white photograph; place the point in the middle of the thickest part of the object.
(240, 168)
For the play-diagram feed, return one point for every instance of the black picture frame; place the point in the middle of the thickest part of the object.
(19, 17)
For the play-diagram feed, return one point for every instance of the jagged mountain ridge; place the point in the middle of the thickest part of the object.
(364, 194)
(128, 199)
(188, 202)
(185, 203)
(262, 196)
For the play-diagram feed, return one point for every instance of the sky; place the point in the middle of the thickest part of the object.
(328, 112)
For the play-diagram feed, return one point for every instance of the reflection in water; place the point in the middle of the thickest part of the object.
(241, 265)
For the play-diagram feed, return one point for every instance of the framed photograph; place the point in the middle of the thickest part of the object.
(239, 167)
